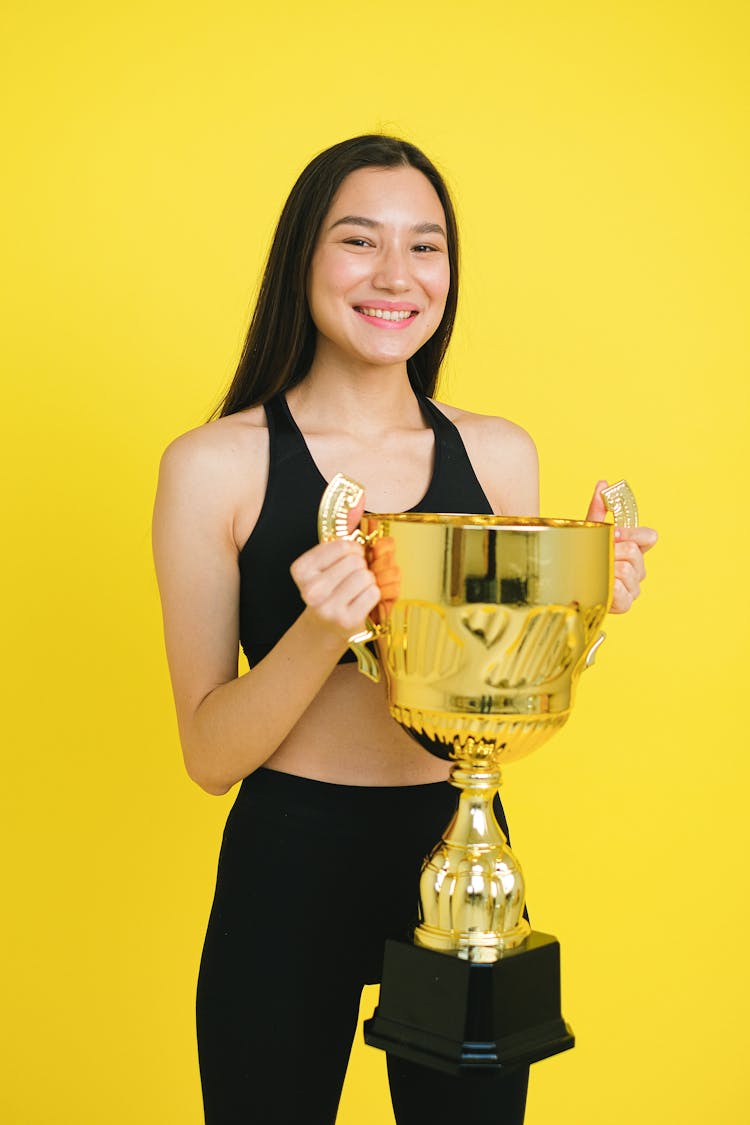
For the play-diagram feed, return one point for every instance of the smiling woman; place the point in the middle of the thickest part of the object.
(373, 269)
(281, 341)
(338, 372)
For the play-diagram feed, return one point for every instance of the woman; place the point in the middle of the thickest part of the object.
(353, 319)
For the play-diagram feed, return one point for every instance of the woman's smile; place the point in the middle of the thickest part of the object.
(387, 314)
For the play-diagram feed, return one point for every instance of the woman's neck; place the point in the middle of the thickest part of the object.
(365, 399)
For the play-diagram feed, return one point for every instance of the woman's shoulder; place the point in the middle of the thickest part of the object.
(498, 434)
(215, 448)
(504, 457)
(212, 479)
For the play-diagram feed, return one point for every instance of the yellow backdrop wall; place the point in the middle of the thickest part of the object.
(599, 156)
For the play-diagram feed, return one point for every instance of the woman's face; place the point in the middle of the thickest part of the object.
(380, 274)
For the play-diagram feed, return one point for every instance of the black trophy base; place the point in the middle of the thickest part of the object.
(456, 1016)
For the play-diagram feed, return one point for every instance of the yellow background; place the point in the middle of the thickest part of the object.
(599, 157)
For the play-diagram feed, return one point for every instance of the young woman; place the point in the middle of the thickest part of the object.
(342, 357)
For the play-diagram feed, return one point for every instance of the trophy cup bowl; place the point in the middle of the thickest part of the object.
(482, 638)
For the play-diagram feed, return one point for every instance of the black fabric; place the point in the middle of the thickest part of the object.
(288, 521)
(313, 877)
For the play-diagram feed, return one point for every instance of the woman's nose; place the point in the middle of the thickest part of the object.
(392, 271)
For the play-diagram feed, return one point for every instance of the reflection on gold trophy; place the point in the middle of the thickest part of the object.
(482, 632)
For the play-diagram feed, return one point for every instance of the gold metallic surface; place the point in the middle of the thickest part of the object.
(621, 503)
(491, 627)
(483, 639)
(340, 496)
(471, 888)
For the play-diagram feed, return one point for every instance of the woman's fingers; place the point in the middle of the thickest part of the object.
(317, 578)
(622, 598)
(631, 544)
(382, 556)
(383, 566)
(626, 551)
(334, 581)
(347, 605)
(354, 514)
(597, 509)
(323, 561)
(644, 537)
(627, 587)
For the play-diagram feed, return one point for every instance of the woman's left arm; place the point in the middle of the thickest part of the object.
(631, 544)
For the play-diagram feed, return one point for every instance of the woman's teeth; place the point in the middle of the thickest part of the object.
(387, 314)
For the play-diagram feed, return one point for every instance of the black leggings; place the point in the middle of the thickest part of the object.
(312, 879)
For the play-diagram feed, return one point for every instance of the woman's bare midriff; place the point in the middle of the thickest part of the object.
(348, 737)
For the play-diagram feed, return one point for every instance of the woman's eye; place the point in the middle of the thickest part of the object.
(423, 248)
(356, 242)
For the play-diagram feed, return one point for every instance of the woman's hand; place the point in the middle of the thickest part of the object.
(336, 584)
(382, 560)
(631, 544)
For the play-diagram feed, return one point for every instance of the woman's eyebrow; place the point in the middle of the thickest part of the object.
(361, 221)
(355, 221)
(429, 228)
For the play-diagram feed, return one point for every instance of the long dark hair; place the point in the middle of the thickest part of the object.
(280, 343)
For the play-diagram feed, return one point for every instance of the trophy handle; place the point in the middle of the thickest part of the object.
(620, 501)
(341, 495)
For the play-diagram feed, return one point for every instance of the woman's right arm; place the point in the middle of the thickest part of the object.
(229, 724)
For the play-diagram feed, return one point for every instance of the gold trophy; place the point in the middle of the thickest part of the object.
(482, 643)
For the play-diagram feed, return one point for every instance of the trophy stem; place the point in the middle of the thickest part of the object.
(472, 888)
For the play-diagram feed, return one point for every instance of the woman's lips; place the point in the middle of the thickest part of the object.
(390, 317)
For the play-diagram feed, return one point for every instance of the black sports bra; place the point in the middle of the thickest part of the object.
(288, 522)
